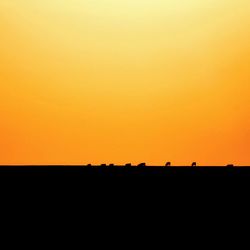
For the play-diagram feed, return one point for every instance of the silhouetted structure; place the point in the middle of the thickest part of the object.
(128, 165)
(142, 165)
(168, 164)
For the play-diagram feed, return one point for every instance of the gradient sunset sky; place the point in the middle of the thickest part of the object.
(118, 81)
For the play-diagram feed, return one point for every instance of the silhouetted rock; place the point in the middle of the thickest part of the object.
(111, 165)
(168, 164)
(103, 165)
(142, 165)
(128, 165)
(230, 165)
(89, 165)
(194, 164)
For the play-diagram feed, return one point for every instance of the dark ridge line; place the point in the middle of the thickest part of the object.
(113, 166)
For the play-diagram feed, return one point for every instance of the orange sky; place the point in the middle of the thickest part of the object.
(100, 81)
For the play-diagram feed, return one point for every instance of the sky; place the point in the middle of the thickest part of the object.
(125, 81)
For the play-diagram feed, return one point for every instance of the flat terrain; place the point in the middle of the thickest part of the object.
(113, 171)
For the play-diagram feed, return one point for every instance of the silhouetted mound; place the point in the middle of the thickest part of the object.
(142, 165)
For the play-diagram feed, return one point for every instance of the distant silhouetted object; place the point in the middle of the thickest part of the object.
(103, 165)
(128, 165)
(89, 165)
(194, 164)
(168, 164)
(142, 165)
(111, 165)
(230, 165)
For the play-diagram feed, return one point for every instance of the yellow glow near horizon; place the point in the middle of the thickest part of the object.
(124, 80)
